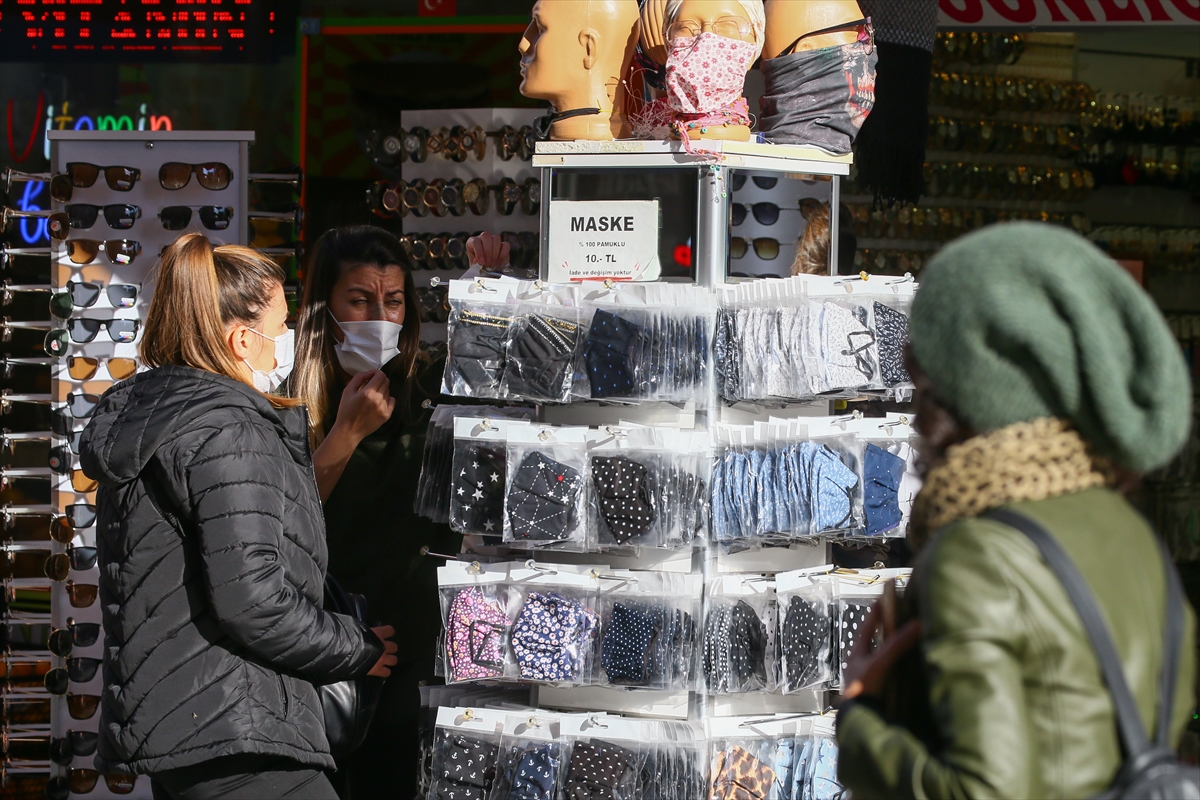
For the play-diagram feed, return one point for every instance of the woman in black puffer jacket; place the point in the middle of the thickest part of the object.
(212, 547)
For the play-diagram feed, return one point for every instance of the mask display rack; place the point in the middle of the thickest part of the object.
(492, 170)
(211, 170)
(568, 169)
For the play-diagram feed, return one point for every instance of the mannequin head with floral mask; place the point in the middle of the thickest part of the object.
(358, 314)
(710, 46)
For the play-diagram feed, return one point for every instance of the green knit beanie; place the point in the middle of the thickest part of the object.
(1025, 320)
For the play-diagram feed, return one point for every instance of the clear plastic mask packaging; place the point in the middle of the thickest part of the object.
(832, 458)
(607, 757)
(436, 485)
(807, 619)
(737, 646)
(478, 605)
(465, 752)
(840, 355)
(544, 503)
(677, 768)
(544, 345)
(647, 487)
(479, 469)
(890, 313)
(821, 781)
(890, 478)
(650, 629)
(530, 760)
(556, 633)
(727, 351)
(482, 312)
(856, 593)
(759, 757)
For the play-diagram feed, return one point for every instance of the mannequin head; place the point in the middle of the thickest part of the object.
(740, 20)
(703, 14)
(654, 43)
(575, 54)
(788, 20)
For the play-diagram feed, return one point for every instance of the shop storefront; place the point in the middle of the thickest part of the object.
(675, 427)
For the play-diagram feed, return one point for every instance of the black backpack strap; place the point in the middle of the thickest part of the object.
(1129, 720)
(1171, 650)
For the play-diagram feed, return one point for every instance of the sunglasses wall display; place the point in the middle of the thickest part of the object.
(449, 175)
(118, 198)
(767, 217)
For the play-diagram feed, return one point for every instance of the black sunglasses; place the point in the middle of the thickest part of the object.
(78, 670)
(764, 213)
(76, 634)
(59, 565)
(215, 218)
(761, 181)
(83, 331)
(212, 175)
(119, 216)
(80, 294)
(75, 743)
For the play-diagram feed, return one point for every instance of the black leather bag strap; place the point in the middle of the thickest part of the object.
(1171, 650)
(1129, 720)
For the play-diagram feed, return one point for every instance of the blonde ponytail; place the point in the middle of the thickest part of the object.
(199, 291)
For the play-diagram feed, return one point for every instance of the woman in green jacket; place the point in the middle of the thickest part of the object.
(1046, 379)
(368, 390)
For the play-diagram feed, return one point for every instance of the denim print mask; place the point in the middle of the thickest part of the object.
(534, 776)
(477, 493)
(831, 485)
(552, 638)
(608, 353)
(542, 499)
(891, 332)
(883, 472)
(476, 632)
(476, 354)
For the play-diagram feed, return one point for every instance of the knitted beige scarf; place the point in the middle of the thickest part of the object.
(1022, 462)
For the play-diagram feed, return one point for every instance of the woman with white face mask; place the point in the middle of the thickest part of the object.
(359, 371)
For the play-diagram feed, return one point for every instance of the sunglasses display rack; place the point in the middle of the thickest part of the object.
(439, 187)
(767, 219)
(122, 196)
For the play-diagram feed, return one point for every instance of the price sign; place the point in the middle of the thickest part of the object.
(599, 239)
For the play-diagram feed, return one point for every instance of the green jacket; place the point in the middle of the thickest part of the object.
(1015, 690)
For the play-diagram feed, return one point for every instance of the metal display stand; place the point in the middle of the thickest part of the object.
(146, 151)
(714, 168)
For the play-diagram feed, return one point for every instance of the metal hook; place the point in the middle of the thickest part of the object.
(908, 278)
(615, 432)
(481, 286)
(750, 723)
(485, 424)
(862, 276)
(435, 281)
(533, 722)
(425, 551)
(469, 714)
(598, 576)
(608, 283)
(594, 722)
(544, 435)
(536, 567)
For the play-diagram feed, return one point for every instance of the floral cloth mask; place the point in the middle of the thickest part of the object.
(475, 636)
(706, 73)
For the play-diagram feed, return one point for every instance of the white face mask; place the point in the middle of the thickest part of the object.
(367, 346)
(285, 356)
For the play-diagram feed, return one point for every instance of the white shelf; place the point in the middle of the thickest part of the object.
(788, 159)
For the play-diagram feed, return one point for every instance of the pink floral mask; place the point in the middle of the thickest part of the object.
(707, 73)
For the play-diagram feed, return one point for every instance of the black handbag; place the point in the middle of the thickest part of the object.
(349, 706)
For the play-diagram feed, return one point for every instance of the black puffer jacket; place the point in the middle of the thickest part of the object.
(212, 564)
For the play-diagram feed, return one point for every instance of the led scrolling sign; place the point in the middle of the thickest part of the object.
(145, 30)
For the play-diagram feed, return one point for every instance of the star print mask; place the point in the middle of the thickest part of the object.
(477, 494)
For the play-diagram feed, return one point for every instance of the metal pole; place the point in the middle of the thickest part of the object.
(835, 203)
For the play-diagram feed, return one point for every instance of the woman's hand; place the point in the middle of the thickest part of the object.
(383, 667)
(868, 667)
(488, 251)
(366, 404)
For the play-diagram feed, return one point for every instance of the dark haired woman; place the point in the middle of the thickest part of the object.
(359, 370)
(212, 549)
